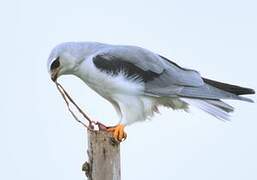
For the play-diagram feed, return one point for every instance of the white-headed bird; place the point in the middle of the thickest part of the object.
(136, 81)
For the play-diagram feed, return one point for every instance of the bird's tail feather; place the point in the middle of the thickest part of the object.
(216, 108)
(220, 104)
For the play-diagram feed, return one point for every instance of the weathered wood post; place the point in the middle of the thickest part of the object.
(103, 152)
(103, 157)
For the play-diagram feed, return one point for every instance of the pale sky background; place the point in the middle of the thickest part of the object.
(39, 138)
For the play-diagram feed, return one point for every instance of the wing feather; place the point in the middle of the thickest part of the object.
(161, 76)
(169, 74)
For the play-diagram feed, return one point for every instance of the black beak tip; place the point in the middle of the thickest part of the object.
(54, 78)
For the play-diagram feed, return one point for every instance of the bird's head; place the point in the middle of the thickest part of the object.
(64, 59)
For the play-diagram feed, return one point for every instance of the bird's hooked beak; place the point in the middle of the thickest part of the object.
(55, 69)
(54, 74)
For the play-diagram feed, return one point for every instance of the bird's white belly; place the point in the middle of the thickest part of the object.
(107, 85)
(127, 94)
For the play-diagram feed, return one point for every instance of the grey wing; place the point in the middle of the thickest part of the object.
(185, 87)
(161, 76)
(147, 61)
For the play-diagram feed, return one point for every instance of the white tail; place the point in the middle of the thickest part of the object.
(216, 108)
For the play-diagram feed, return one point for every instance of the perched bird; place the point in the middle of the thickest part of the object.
(136, 81)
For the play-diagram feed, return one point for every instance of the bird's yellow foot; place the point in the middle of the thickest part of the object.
(118, 132)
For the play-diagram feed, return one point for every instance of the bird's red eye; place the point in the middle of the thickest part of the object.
(55, 64)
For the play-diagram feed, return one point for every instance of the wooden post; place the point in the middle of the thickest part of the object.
(103, 157)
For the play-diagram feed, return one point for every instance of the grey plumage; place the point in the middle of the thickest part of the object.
(173, 80)
(157, 80)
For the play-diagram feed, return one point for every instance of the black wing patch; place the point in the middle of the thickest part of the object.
(114, 66)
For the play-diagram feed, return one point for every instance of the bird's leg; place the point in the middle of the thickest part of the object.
(118, 132)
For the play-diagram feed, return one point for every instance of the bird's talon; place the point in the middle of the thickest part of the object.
(118, 132)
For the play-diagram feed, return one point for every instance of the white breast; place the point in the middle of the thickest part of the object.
(106, 84)
(127, 93)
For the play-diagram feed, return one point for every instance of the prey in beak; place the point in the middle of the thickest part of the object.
(54, 69)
